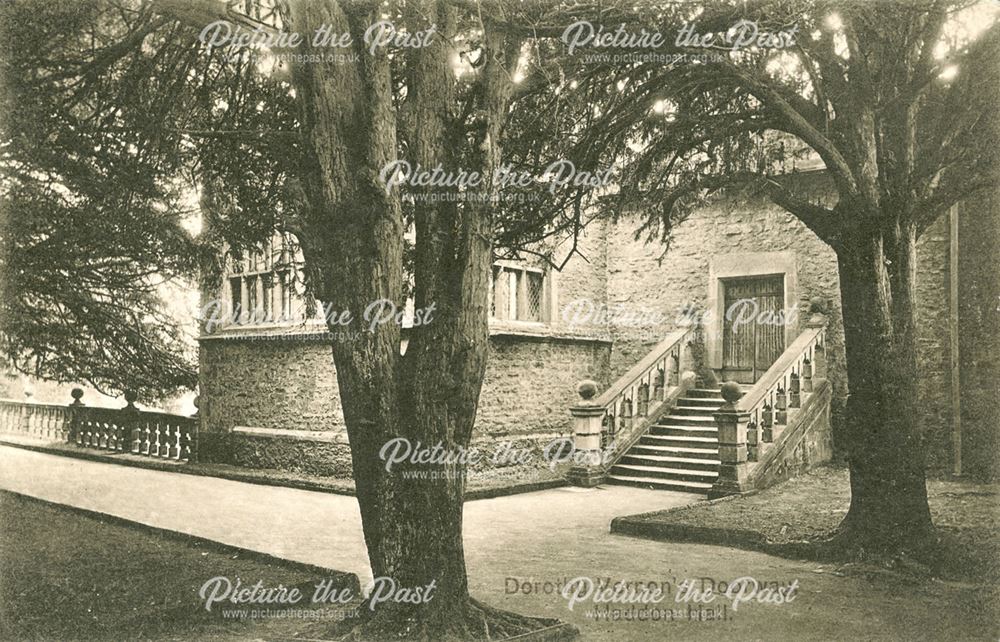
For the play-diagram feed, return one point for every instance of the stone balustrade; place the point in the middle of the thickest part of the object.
(114, 430)
(605, 425)
(748, 422)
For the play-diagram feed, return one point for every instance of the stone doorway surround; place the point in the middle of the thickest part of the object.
(729, 266)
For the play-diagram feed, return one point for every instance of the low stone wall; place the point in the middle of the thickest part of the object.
(304, 454)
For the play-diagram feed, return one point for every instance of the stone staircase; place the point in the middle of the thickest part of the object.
(680, 452)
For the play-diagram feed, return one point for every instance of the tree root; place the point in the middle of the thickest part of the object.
(467, 620)
(914, 553)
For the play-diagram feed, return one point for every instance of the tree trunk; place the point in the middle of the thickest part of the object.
(889, 511)
(353, 249)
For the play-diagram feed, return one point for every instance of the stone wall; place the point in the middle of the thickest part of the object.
(291, 385)
(979, 334)
(933, 349)
(531, 382)
(264, 382)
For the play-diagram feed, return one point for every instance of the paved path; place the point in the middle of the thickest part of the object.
(514, 545)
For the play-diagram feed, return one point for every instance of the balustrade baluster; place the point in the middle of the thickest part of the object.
(819, 359)
(124, 437)
(608, 427)
(168, 439)
(30, 424)
(794, 397)
(186, 441)
(767, 422)
(155, 449)
(627, 413)
(163, 439)
(169, 429)
(781, 407)
(752, 439)
(178, 442)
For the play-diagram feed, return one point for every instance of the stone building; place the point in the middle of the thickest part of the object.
(268, 391)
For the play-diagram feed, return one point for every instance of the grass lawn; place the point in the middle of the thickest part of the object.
(70, 576)
(808, 507)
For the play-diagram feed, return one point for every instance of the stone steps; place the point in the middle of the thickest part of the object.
(680, 452)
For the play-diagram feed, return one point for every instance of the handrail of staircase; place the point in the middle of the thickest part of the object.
(606, 425)
(780, 388)
(669, 347)
(749, 422)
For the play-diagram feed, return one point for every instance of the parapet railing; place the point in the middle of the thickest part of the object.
(116, 430)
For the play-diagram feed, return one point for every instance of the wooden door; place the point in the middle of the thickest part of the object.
(753, 335)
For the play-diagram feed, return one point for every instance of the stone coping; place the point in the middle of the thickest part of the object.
(319, 333)
(340, 437)
(324, 436)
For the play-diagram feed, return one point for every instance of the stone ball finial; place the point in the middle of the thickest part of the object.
(587, 389)
(77, 394)
(817, 305)
(731, 391)
(131, 396)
